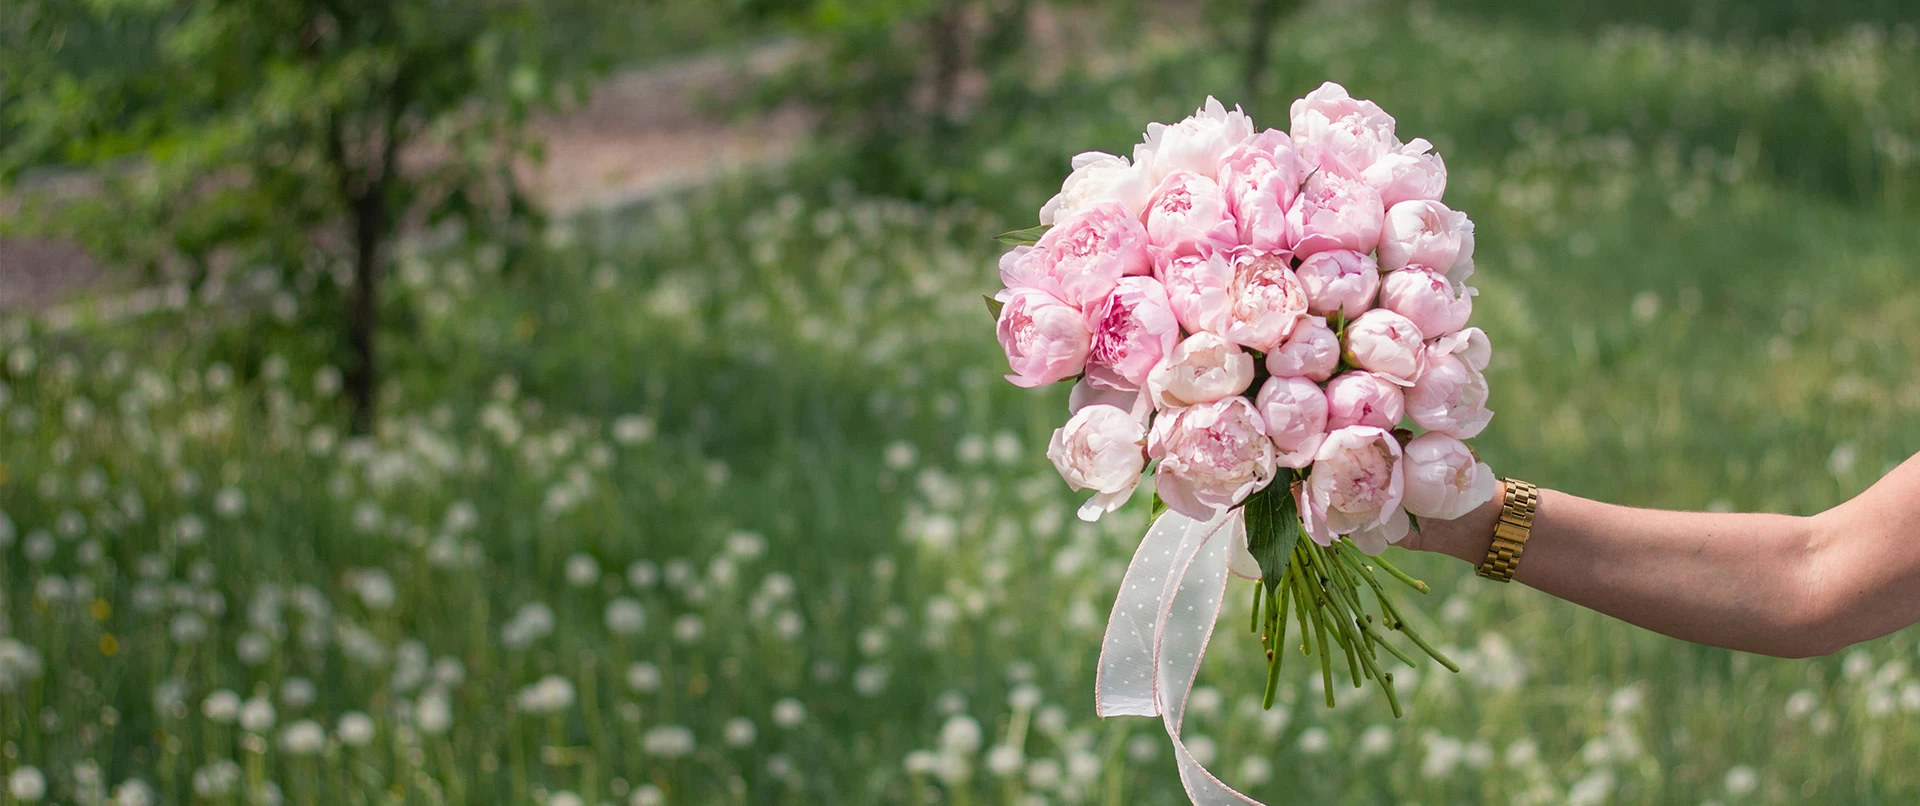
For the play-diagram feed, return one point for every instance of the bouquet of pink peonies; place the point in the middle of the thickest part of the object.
(1258, 316)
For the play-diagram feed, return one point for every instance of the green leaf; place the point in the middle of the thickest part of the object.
(1153, 511)
(1273, 528)
(1023, 237)
(994, 306)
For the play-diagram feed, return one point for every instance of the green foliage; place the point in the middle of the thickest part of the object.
(1023, 237)
(297, 136)
(770, 415)
(1273, 529)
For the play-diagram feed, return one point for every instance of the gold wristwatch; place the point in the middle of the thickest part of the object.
(1511, 531)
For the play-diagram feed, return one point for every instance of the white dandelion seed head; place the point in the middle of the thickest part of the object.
(549, 694)
(668, 741)
(355, 729)
(27, 784)
(297, 693)
(433, 713)
(643, 677)
(739, 732)
(960, 734)
(135, 792)
(625, 616)
(1314, 741)
(582, 570)
(303, 737)
(221, 706)
(788, 712)
(256, 715)
(1005, 760)
(1742, 780)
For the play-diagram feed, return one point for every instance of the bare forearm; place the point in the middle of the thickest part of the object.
(1739, 581)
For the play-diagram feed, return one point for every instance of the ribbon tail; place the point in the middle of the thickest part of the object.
(1124, 681)
(1186, 627)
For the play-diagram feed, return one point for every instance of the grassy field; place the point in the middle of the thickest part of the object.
(724, 500)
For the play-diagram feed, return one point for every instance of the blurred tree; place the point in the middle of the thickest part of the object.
(1262, 18)
(298, 135)
(897, 79)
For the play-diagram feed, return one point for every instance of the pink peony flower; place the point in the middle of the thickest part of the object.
(1103, 449)
(1260, 178)
(1082, 257)
(1334, 212)
(1420, 232)
(1450, 397)
(1462, 267)
(1408, 173)
(1212, 456)
(1339, 133)
(1444, 479)
(1355, 489)
(1186, 213)
(1387, 343)
(1363, 398)
(1194, 144)
(1202, 369)
(1046, 340)
(1267, 299)
(1098, 178)
(1199, 287)
(1338, 280)
(1295, 411)
(1311, 352)
(1132, 329)
(1426, 299)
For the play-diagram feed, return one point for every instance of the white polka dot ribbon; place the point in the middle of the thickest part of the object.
(1158, 633)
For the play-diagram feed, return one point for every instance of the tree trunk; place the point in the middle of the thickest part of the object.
(947, 32)
(1260, 38)
(369, 216)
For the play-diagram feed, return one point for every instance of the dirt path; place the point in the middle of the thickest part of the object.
(642, 132)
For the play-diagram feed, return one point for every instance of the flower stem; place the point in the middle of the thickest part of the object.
(1397, 573)
(1277, 626)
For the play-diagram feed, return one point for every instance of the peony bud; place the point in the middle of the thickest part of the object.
(1364, 398)
(1295, 412)
(1311, 352)
(1335, 212)
(1451, 395)
(1444, 480)
(1386, 342)
(1188, 212)
(1339, 281)
(1202, 369)
(1103, 449)
(1422, 232)
(1426, 299)
(1408, 173)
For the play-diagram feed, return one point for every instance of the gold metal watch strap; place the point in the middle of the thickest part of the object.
(1511, 531)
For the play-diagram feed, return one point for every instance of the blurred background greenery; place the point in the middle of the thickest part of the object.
(577, 401)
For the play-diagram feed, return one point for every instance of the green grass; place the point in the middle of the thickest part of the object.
(770, 415)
